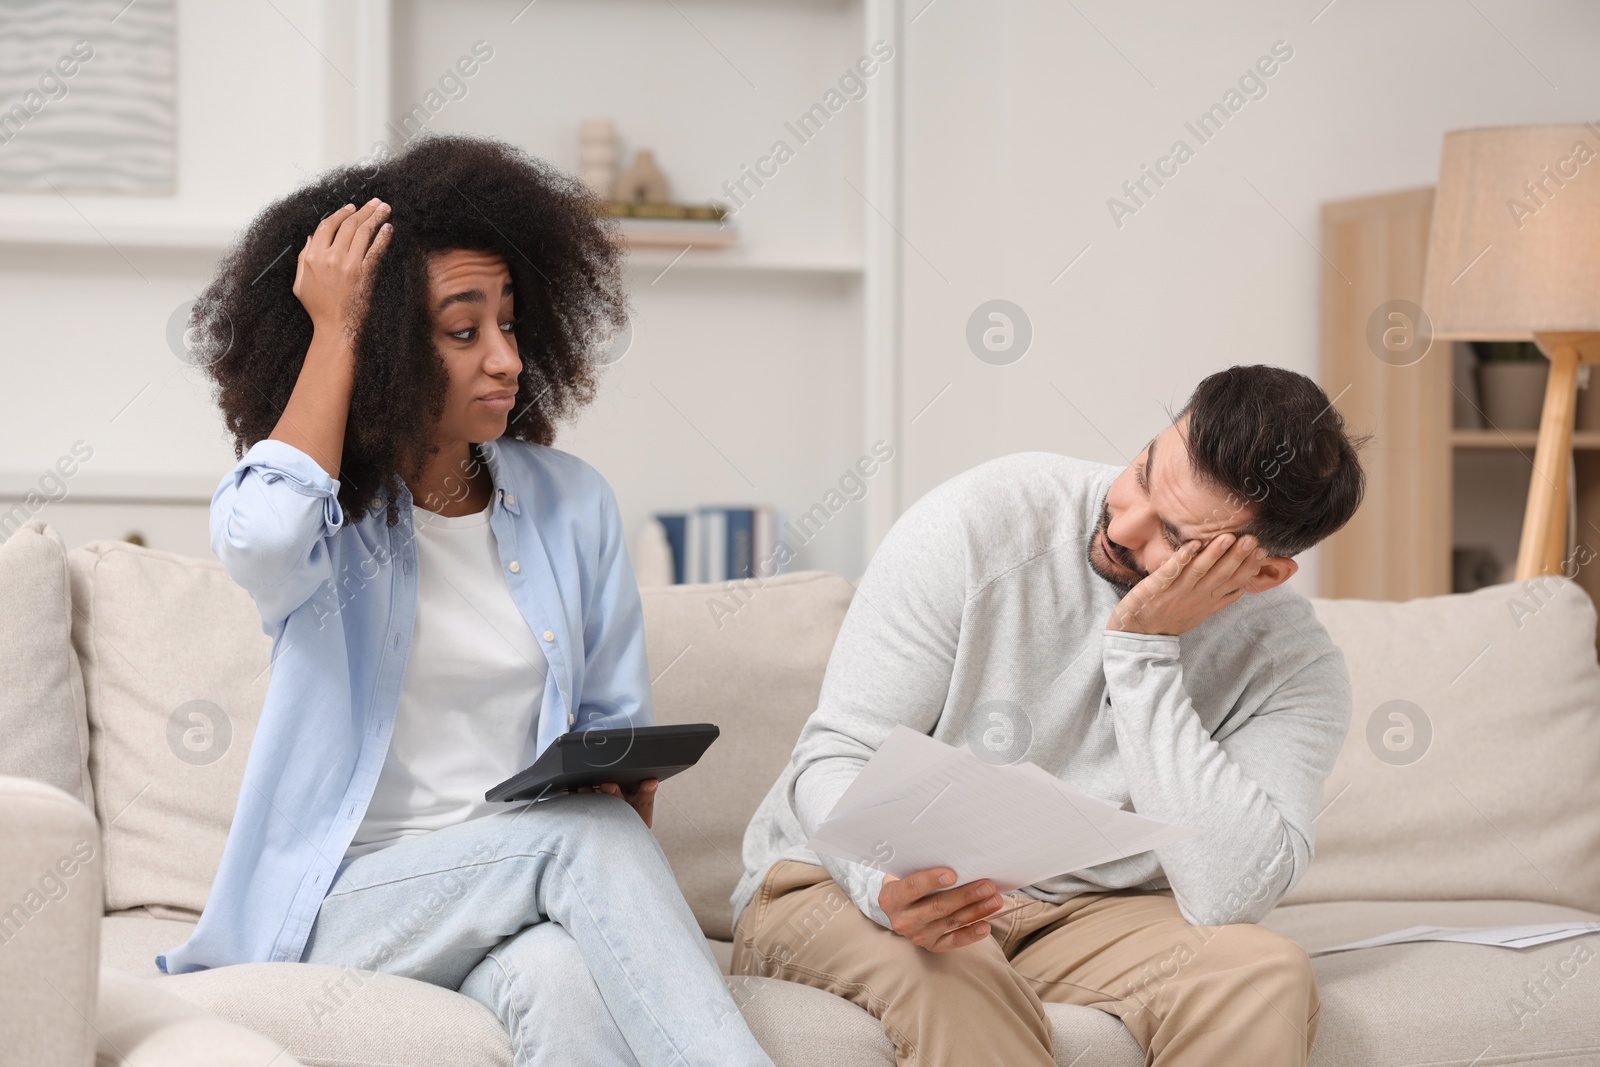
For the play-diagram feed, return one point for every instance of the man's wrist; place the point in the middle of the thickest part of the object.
(1132, 624)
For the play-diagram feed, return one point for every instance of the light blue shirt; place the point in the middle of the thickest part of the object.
(339, 604)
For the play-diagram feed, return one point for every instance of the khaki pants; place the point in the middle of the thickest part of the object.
(1191, 995)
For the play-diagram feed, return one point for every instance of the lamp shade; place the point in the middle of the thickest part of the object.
(1514, 247)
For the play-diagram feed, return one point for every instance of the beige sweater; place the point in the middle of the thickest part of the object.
(979, 620)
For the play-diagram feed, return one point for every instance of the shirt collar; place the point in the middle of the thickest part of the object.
(504, 490)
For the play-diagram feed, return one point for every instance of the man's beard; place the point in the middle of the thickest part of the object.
(1122, 585)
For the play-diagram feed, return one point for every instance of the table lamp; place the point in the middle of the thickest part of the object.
(1514, 255)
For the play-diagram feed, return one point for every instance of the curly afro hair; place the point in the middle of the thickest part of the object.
(445, 191)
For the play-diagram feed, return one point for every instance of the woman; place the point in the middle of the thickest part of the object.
(446, 594)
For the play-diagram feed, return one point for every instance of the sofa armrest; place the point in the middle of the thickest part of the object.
(51, 899)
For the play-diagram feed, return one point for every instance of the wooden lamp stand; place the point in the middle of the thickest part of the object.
(1544, 524)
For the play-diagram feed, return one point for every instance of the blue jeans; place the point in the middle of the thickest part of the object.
(562, 917)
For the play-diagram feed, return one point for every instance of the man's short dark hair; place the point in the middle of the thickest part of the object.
(1273, 441)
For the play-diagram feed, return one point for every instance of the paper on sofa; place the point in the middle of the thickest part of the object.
(1500, 936)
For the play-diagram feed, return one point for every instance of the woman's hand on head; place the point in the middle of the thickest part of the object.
(334, 275)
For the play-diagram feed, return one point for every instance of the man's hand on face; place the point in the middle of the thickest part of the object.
(924, 909)
(1190, 587)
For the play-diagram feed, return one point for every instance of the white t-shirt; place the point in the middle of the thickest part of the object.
(472, 691)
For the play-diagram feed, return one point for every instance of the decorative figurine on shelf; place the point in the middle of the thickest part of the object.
(641, 198)
(597, 156)
(642, 183)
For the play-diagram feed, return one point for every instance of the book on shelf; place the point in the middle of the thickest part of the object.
(639, 210)
(715, 543)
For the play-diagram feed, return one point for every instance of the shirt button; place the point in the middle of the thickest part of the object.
(515, 566)
(377, 503)
(511, 498)
(571, 719)
(549, 635)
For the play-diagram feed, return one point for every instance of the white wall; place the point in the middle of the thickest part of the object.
(1022, 118)
(85, 354)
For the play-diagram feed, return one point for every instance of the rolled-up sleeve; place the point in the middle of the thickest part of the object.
(1254, 794)
(271, 520)
(616, 674)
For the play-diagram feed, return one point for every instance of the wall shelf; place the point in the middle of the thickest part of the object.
(215, 238)
(656, 260)
(79, 234)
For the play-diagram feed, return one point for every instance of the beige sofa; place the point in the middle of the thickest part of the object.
(130, 682)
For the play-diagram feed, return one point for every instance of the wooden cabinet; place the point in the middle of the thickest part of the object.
(1430, 486)
(1397, 545)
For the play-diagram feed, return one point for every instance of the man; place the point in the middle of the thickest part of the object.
(1129, 632)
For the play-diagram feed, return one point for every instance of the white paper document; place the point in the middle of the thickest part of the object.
(1502, 936)
(921, 803)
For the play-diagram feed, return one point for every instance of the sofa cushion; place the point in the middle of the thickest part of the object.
(175, 670)
(139, 1022)
(339, 1016)
(130, 941)
(1414, 1003)
(1494, 793)
(748, 656)
(1442, 1003)
(400, 1022)
(44, 733)
(372, 1028)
